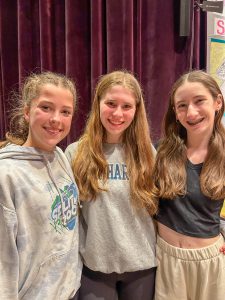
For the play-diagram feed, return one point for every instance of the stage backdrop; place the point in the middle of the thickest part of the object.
(84, 39)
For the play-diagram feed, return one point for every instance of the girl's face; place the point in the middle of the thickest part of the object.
(49, 117)
(195, 109)
(117, 111)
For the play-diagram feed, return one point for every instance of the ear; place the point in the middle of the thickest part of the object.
(218, 102)
(26, 113)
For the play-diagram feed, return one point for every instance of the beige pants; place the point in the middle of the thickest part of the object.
(190, 274)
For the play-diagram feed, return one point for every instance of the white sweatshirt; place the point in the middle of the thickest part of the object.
(38, 225)
(114, 236)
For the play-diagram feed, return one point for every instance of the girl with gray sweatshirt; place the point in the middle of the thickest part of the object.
(112, 164)
(38, 196)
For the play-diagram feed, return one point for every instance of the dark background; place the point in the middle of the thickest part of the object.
(86, 38)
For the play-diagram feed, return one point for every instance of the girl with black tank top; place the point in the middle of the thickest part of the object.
(189, 178)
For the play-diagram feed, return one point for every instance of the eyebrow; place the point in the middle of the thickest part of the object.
(184, 100)
(115, 100)
(50, 102)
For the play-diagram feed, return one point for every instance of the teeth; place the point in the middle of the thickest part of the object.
(116, 123)
(195, 123)
(52, 130)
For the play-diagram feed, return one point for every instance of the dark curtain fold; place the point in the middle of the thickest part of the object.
(84, 39)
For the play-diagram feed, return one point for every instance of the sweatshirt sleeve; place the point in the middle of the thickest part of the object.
(9, 262)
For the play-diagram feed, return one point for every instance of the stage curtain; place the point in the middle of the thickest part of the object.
(84, 39)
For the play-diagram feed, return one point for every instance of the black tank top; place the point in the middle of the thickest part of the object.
(193, 214)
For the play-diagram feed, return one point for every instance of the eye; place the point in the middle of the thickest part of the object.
(45, 107)
(181, 106)
(66, 113)
(127, 106)
(111, 103)
(199, 101)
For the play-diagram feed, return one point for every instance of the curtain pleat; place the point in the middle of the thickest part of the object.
(29, 49)
(98, 40)
(9, 57)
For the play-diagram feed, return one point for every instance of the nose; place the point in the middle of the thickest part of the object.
(191, 111)
(118, 111)
(55, 117)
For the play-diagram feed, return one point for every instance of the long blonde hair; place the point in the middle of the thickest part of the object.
(90, 165)
(170, 171)
(30, 89)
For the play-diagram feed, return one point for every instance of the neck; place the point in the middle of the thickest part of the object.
(197, 150)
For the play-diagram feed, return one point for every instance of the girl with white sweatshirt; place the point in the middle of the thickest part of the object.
(113, 163)
(38, 196)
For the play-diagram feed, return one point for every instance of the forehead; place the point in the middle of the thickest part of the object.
(57, 95)
(189, 90)
(119, 91)
(51, 90)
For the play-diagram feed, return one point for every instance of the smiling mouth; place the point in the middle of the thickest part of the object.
(115, 123)
(53, 131)
(196, 122)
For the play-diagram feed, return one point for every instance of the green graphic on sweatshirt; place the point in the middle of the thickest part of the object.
(64, 209)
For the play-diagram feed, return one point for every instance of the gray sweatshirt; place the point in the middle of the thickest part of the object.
(38, 225)
(114, 236)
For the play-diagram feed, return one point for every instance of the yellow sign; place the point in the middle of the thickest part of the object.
(217, 64)
(223, 210)
(217, 61)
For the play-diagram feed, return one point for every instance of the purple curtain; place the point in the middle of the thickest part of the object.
(84, 39)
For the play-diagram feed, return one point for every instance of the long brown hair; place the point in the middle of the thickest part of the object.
(90, 165)
(30, 89)
(170, 171)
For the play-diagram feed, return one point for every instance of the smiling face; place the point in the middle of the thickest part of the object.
(195, 109)
(117, 111)
(49, 117)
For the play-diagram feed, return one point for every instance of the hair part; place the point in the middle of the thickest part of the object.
(170, 168)
(137, 146)
(31, 89)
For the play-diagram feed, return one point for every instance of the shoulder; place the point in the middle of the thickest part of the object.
(8, 182)
(7, 150)
(72, 147)
(70, 151)
(7, 160)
